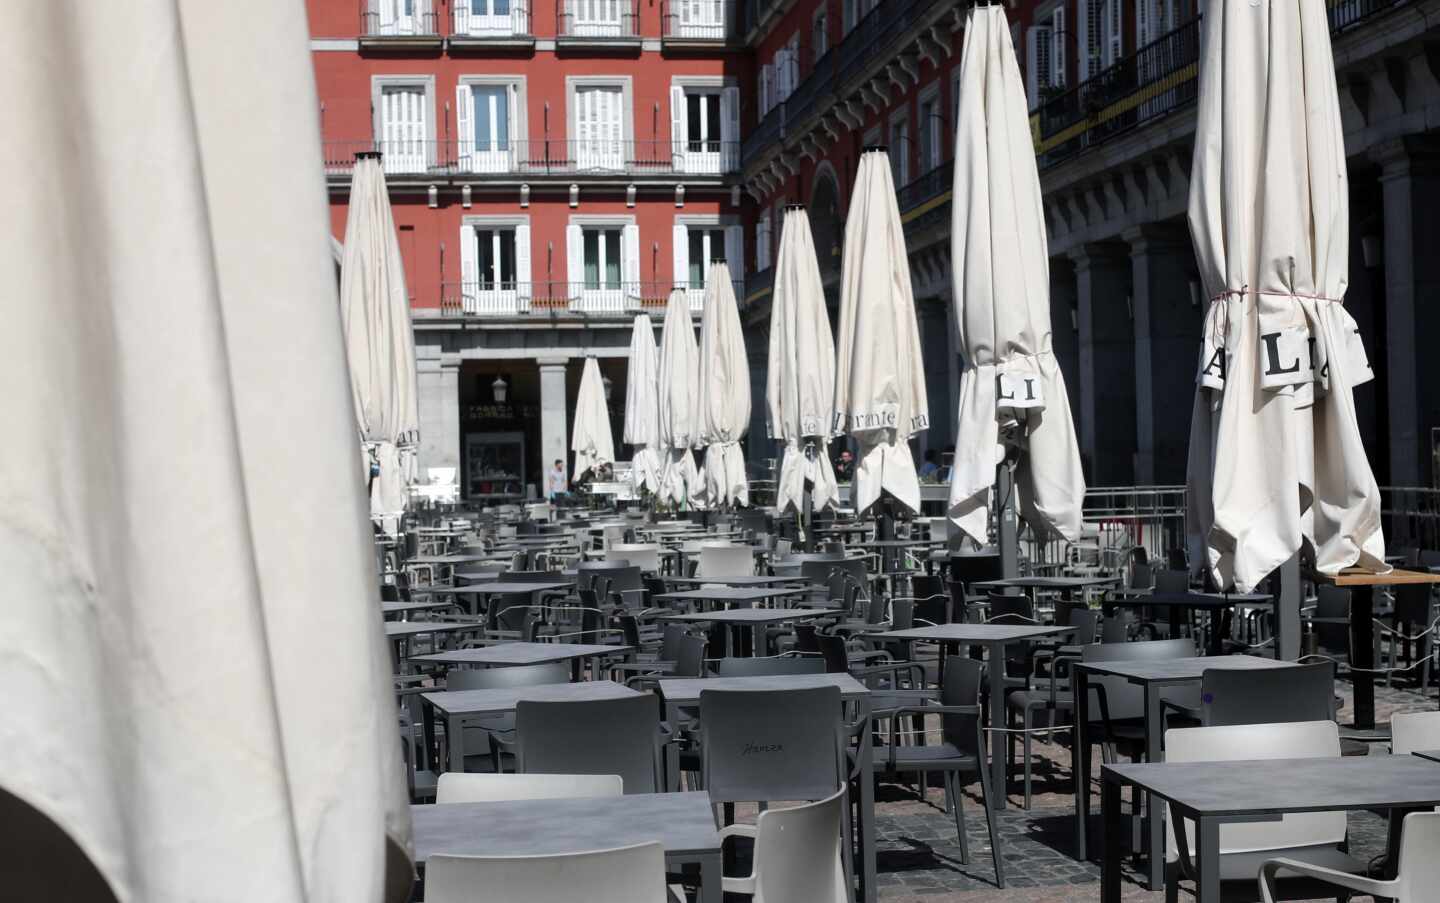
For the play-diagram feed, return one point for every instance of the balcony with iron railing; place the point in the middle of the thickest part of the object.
(399, 23)
(427, 159)
(595, 298)
(924, 202)
(495, 23)
(698, 23)
(598, 23)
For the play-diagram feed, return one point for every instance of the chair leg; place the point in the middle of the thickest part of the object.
(952, 787)
(1172, 883)
(1025, 743)
(995, 852)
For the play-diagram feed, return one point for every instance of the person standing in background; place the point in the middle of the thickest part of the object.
(555, 480)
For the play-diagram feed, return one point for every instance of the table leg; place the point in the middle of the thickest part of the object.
(1110, 826)
(1362, 652)
(995, 661)
(710, 872)
(1215, 646)
(672, 751)
(1080, 758)
(455, 741)
(1207, 860)
(1154, 808)
(867, 808)
(427, 733)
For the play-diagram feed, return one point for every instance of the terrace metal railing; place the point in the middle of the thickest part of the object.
(491, 19)
(698, 20)
(1411, 516)
(597, 20)
(557, 156)
(598, 297)
(923, 201)
(398, 19)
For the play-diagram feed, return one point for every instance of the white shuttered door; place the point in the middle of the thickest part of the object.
(574, 260)
(402, 128)
(678, 135)
(523, 289)
(599, 122)
(730, 129)
(469, 273)
(681, 255)
(630, 261)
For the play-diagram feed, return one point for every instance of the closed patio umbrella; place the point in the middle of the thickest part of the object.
(642, 407)
(880, 395)
(1275, 450)
(379, 342)
(680, 480)
(724, 392)
(800, 382)
(1012, 394)
(185, 532)
(590, 436)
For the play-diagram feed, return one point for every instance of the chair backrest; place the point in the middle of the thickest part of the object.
(1419, 872)
(759, 667)
(834, 651)
(1011, 609)
(797, 853)
(601, 736)
(963, 679)
(969, 569)
(1114, 629)
(1172, 581)
(1176, 560)
(532, 577)
(1122, 698)
(1268, 695)
(724, 560)
(1086, 622)
(1142, 575)
(1412, 603)
(587, 571)
(500, 678)
(806, 639)
(622, 875)
(902, 614)
(783, 547)
(689, 657)
(644, 555)
(759, 745)
(1414, 731)
(1332, 602)
(1292, 740)
(959, 610)
(456, 787)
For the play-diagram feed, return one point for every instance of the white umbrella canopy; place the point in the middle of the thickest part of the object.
(642, 406)
(590, 439)
(185, 530)
(1012, 392)
(800, 382)
(1275, 452)
(375, 309)
(880, 397)
(680, 481)
(724, 390)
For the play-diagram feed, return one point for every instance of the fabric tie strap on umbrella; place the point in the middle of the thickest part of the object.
(724, 391)
(880, 397)
(800, 382)
(1013, 400)
(1276, 460)
(642, 407)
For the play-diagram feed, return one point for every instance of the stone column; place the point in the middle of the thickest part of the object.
(1167, 341)
(438, 378)
(554, 414)
(1410, 191)
(1064, 331)
(1107, 359)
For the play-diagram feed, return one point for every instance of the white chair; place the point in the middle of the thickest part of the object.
(725, 560)
(455, 787)
(633, 874)
(1311, 837)
(1417, 878)
(644, 555)
(1413, 732)
(797, 855)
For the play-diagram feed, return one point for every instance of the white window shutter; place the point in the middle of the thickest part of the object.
(766, 75)
(681, 255)
(730, 129)
(1057, 47)
(522, 265)
(678, 137)
(630, 259)
(465, 125)
(1142, 23)
(1033, 74)
(469, 275)
(1114, 11)
(735, 251)
(575, 259)
(518, 144)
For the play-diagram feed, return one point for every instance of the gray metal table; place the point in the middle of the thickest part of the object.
(406, 608)
(1066, 585)
(757, 619)
(730, 595)
(682, 692)
(499, 655)
(510, 587)
(739, 580)
(683, 823)
(994, 637)
(1153, 677)
(1210, 793)
(1185, 602)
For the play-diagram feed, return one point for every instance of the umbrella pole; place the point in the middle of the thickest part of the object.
(807, 506)
(1005, 495)
(1287, 611)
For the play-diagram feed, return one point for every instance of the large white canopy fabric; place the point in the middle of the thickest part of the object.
(800, 383)
(590, 438)
(185, 533)
(880, 396)
(724, 391)
(380, 344)
(1275, 451)
(680, 481)
(1012, 392)
(642, 407)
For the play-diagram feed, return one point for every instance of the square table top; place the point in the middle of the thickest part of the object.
(750, 615)
(1396, 577)
(502, 587)
(477, 576)
(730, 594)
(895, 543)
(973, 633)
(1176, 670)
(1274, 786)
(687, 690)
(504, 699)
(397, 608)
(745, 580)
(520, 654)
(398, 629)
(1137, 598)
(1046, 582)
(448, 559)
(682, 822)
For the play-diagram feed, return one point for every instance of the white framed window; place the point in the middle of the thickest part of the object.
(491, 18)
(1037, 63)
(704, 126)
(764, 86)
(398, 18)
(930, 129)
(603, 259)
(699, 240)
(597, 18)
(701, 19)
(1114, 31)
(1102, 33)
(601, 127)
(819, 32)
(495, 265)
(1058, 39)
(490, 122)
(404, 122)
(787, 69)
(900, 147)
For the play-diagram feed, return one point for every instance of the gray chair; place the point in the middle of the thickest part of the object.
(1267, 696)
(762, 745)
(764, 667)
(494, 730)
(1117, 707)
(605, 736)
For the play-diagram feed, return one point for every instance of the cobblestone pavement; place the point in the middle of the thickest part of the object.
(919, 857)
